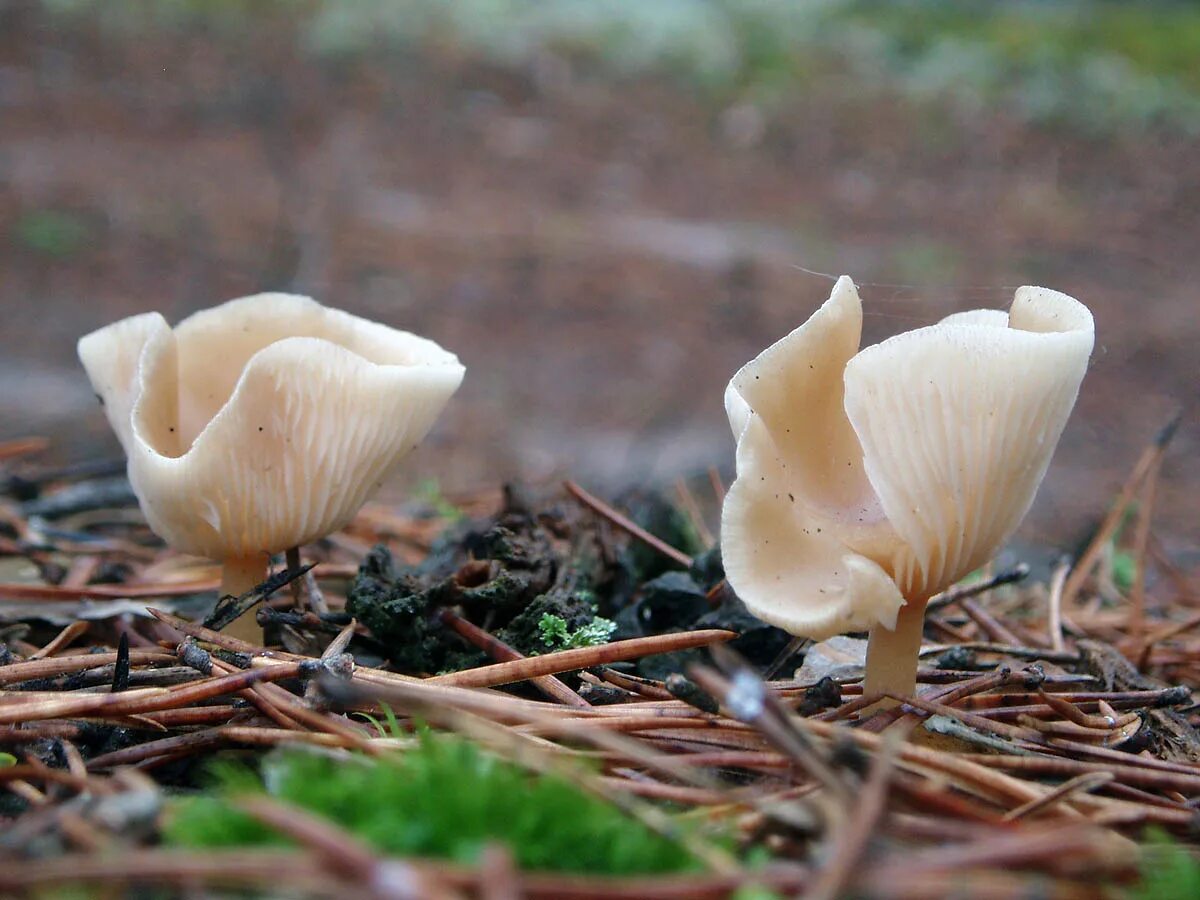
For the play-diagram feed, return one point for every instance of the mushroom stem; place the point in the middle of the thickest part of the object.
(892, 653)
(239, 575)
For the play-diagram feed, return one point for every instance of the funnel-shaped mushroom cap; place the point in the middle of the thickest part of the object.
(263, 423)
(864, 478)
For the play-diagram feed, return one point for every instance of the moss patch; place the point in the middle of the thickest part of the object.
(445, 798)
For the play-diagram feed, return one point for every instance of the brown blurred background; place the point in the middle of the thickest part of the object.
(606, 208)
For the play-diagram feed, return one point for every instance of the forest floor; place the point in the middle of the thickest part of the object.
(631, 730)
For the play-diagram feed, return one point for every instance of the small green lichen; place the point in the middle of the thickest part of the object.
(429, 492)
(557, 635)
(1124, 570)
(1122, 563)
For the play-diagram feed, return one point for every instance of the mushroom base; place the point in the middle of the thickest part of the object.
(892, 654)
(237, 577)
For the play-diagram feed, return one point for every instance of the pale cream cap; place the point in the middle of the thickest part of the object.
(865, 477)
(263, 423)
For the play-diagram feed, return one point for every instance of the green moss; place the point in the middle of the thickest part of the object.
(1098, 66)
(1169, 872)
(1094, 65)
(1153, 38)
(755, 892)
(52, 232)
(445, 798)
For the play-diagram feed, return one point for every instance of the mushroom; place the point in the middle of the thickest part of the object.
(869, 480)
(263, 423)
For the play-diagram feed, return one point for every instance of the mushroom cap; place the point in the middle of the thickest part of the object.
(867, 477)
(263, 423)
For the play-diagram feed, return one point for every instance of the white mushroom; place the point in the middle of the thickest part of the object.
(867, 481)
(263, 423)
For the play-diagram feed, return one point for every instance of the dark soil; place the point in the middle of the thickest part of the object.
(506, 572)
